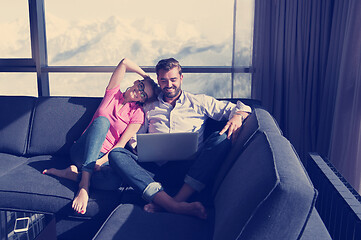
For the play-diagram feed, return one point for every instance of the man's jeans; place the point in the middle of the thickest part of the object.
(208, 160)
(200, 173)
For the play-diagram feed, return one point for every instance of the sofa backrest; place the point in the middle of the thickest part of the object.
(266, 194)
(258, 120)
(58, 122)
(15, 121)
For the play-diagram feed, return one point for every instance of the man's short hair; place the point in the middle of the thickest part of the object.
(168, 64)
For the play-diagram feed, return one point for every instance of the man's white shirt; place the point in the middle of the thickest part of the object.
(188, 115)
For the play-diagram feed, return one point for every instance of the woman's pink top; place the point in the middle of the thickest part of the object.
(118, 116)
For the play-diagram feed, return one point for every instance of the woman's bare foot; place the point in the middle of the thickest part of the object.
(68, 173)
(81, 201)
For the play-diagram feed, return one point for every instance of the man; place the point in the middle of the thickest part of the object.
(180, 111)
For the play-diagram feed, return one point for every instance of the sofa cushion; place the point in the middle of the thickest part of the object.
(132, 222)
(258, 120)
(58, 122)
(15, 119)
(9, 162)
(25, 188)
(265, 190)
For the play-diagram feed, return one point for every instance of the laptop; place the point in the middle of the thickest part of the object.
(153, 147)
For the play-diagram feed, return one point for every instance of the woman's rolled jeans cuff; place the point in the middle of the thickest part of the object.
(151, 190)
(89, 168)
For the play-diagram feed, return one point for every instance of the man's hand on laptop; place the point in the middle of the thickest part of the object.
(233, 125)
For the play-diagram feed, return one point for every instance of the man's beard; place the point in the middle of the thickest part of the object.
(171, 94)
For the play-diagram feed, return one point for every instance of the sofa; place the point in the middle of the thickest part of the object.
(261, 191)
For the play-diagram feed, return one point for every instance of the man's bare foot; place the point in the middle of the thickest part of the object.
(68, 173)
(193, 209)
(81, 201)
(152, 208)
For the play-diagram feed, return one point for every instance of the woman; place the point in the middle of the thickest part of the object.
(118, 118)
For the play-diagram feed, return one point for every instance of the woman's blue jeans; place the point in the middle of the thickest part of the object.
(86, 151)
(200, 171)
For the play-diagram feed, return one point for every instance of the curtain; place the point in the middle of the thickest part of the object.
(290, 59)
(345, 150)
(303, 52)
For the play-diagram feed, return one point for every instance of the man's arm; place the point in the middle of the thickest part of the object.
(221, 110)
(234, 124)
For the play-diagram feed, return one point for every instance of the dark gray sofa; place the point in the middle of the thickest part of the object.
(261, 191)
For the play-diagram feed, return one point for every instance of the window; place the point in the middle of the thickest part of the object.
(18, 84)
(15, 29)
(79, 84)
(82, 32)
(94, 84)
(212, 39)
(242, 85)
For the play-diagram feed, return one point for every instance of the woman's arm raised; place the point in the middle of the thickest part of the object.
(118, 75)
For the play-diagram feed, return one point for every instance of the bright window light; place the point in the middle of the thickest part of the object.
(14, 29)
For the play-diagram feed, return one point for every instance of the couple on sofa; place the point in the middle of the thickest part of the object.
(119, 117)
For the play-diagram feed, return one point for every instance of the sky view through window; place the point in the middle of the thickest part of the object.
(100, 33)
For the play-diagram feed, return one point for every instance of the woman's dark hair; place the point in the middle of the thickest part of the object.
(168, 64)
(155, 88)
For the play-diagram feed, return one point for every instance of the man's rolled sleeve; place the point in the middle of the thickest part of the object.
(240, 107)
